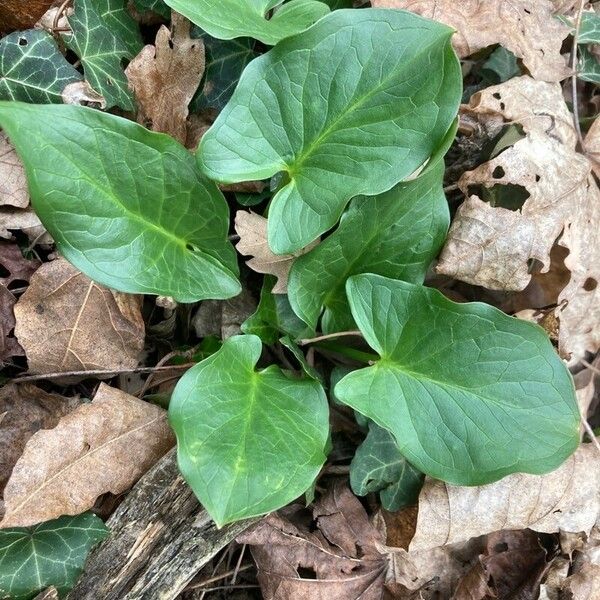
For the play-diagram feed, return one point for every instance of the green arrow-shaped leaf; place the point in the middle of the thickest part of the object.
(397, 234)
(104, 35)
(32, 68)
(353, 105)
(225, 61)
(228, 19)
(248, 442)
(469, 393)
(126, 206)
(378, 466)
(49, 554)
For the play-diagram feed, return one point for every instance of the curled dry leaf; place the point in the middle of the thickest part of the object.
(340, 554)
(567, 499)
(494, 247)
(252, 229)
(527, 28)
(66, 322)
(101, 447)
(82, 93)
(13, 183)
(26, 409)
(165, 78)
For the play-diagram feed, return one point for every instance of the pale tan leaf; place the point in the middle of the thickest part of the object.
(494, 247)
(165, 78)
(26, 409)
(584, 585)
(567, 499)
(25, 220)
(592, 145)
(66, 322)
(527, 28)
(81, 93)
(252, 229)
(9, 346)
(100, 447)
(13, 182)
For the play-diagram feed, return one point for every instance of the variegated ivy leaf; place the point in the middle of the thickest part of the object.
(104, 36)
(32, 68)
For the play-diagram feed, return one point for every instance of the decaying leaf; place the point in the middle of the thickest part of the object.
(252, 229)
(567, 499)
(82, 93)
(494, 247)
(527, 28)
(165, 78)
(340, 556)
(13, 183)
(66, 322)
(25, 220)
(9, 346)
(101, 447)
(583, 585)
(592, 145)
(17, 270)
(26, 409)
(21, 15)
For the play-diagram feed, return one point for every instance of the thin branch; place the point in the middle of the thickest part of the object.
(205, 582)
(574, 57)
(101, 372)
(590, 433)
(59, 13)
(591, 367)
(329, 336)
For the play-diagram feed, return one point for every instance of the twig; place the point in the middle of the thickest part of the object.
(329, 336)
(591, 367)
(159, 365)
(238, 565)
(205, 582)
(575, 99)
(59, 14)
(41, 377)
(590, 432)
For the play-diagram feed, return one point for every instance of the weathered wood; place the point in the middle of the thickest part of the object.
(160, 538)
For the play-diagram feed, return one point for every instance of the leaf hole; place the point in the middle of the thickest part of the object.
(190, 247)
(86, 447)
(501, 547)
(537, 178)
(306, 573)
(505, 195)
(527, 11)
(498, 173)
(15, 284)
(23, 41)
(497, 96)
(110, 82)
(4, 272)
(590, 284)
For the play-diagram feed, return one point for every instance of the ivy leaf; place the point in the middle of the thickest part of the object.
(229, 19)
(590, 28)
(589, 66)
(50, 554)
(126, 206)
(32, 68)
(378, 466)
(248, 442)
(274, 317)
(155, 6)
(104, 35)
(469, 393)
(503, 66)
(397, 234)
(225, 61)
(336, 136)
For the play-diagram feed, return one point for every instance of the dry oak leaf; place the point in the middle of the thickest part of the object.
(165, 78)
(13, 182)
(340, 552)
(26, 409)
(567, 499)
(104, 446)
(527, 28)
(252, 229)
(66, 322)
(494, 247)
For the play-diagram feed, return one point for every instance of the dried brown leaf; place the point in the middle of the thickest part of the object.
(592, 145)
(16, 14)
(494, 247)
(101, 447)
(252, 229)
(9, 346)
(567, 499)
(26, 409)
(81, 93)
(66, 322)
(16, 268)
(13, 182)
(25, 220)
(584, 585)
(525, 27)
(339, 555)
(165, 78)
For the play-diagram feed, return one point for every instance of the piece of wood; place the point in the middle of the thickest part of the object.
(21, 14)
(160, 538)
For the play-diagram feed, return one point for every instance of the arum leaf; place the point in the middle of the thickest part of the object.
(336, 137)
(378, 466)
(228, 19)
(248, 442)
(105, 34)
(49, 554)
(225, 61)
(274, 316)
(397, 234)
(32, 69)
(469, 393)
(126, 206)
